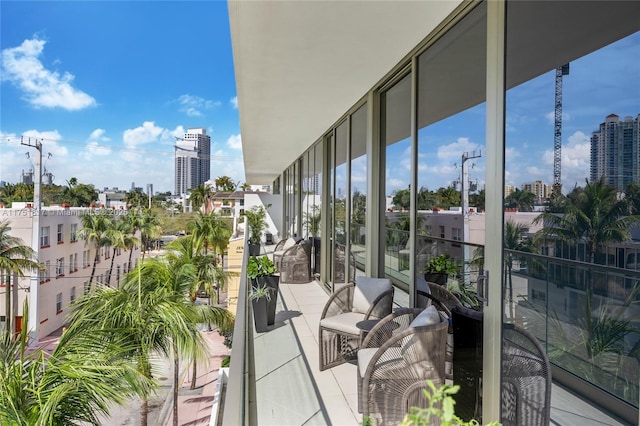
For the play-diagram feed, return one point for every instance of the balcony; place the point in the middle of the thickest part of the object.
(275, 380)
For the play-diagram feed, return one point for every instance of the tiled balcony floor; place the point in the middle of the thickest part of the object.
(290, 389)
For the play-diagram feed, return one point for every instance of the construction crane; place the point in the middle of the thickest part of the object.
(557, 132)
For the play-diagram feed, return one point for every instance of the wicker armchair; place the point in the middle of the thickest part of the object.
(526, 374)
(526, 379)
(339, 335)
(295, 264)
(280, 248)
(398, 356)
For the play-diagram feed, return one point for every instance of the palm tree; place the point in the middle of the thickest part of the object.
(225, 183)
(521, 200)
(119, 236)
(597, 217)
(73, 385)
(513, 240)
(94, 228)
(149, 227)
(134, 222)
(187, 251)
(200, 196)
(15, 259)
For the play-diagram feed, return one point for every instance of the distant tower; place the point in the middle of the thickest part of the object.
(192, 160)
(615, 152)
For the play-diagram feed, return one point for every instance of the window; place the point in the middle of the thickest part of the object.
(442, 234)
(42, 273)
(75, 262)
(74, 232)
(58, 303)
(60, 267)
(72, 294)
(47, 270)
(456, 234)
(86, 287)
(44, 236)
(70, 263)
(60, 237)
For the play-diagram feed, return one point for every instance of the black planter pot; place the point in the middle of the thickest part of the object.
(316, 255)
(273, 282)
(254, 249)
(436, 277)
(260, 314)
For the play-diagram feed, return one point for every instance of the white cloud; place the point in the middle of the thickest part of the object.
(551, 117)
(42, 88)
(144, 134)
(234, 102)
(193, 105)
(93, 144)
(454, 150)
(575, 160)
(235, 141)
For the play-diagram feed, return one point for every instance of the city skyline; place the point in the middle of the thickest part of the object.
(106, 86)
(109, 96)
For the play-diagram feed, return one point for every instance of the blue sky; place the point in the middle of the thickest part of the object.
(106, 85)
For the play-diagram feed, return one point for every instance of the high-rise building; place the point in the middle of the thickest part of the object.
(193, 163)
(615, 152)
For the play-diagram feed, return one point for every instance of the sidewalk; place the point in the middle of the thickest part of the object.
(194, 406)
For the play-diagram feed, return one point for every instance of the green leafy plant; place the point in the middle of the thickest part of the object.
(256, 222)
(442, 264)
(260, 266)
(441, 406)
(226, 361)
(260, 292)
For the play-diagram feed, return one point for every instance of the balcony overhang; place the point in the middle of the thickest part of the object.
(299, 65)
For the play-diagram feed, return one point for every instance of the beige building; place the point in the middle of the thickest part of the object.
(66, 261)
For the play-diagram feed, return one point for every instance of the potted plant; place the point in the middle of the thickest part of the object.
(312, 221)
(255, 221)
(261, 271)
(260, 298)
(438, 269)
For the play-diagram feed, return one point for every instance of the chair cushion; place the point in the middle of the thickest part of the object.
(428, 316)
(367, 290)
(343, 323)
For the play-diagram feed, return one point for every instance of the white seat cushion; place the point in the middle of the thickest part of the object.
(367, 290)
(428, 316)
(344, 323)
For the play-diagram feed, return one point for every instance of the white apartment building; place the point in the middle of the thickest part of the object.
(67, 262)
(541, 190)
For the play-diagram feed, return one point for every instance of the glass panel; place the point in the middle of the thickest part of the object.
(316, 185)
(358, 186)
(572, 158)
(396, 137)
(340, 259)
(450, 219)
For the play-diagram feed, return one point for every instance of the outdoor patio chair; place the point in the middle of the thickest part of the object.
(445, 301)
(340, 274)
(526, 373)
(295, 264)
(282, 246)
(526, 379)
(345, 314)
(398, 356)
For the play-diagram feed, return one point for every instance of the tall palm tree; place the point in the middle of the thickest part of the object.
(200, 196)
(149, 227)
(521, 200)
(596, 217)
(513, 240)
(73, 385)
(15, 259)
(93, 231)
(119, 236)
(133, 219)
(225, 183)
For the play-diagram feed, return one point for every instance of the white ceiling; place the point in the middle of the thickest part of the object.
(300, 65)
